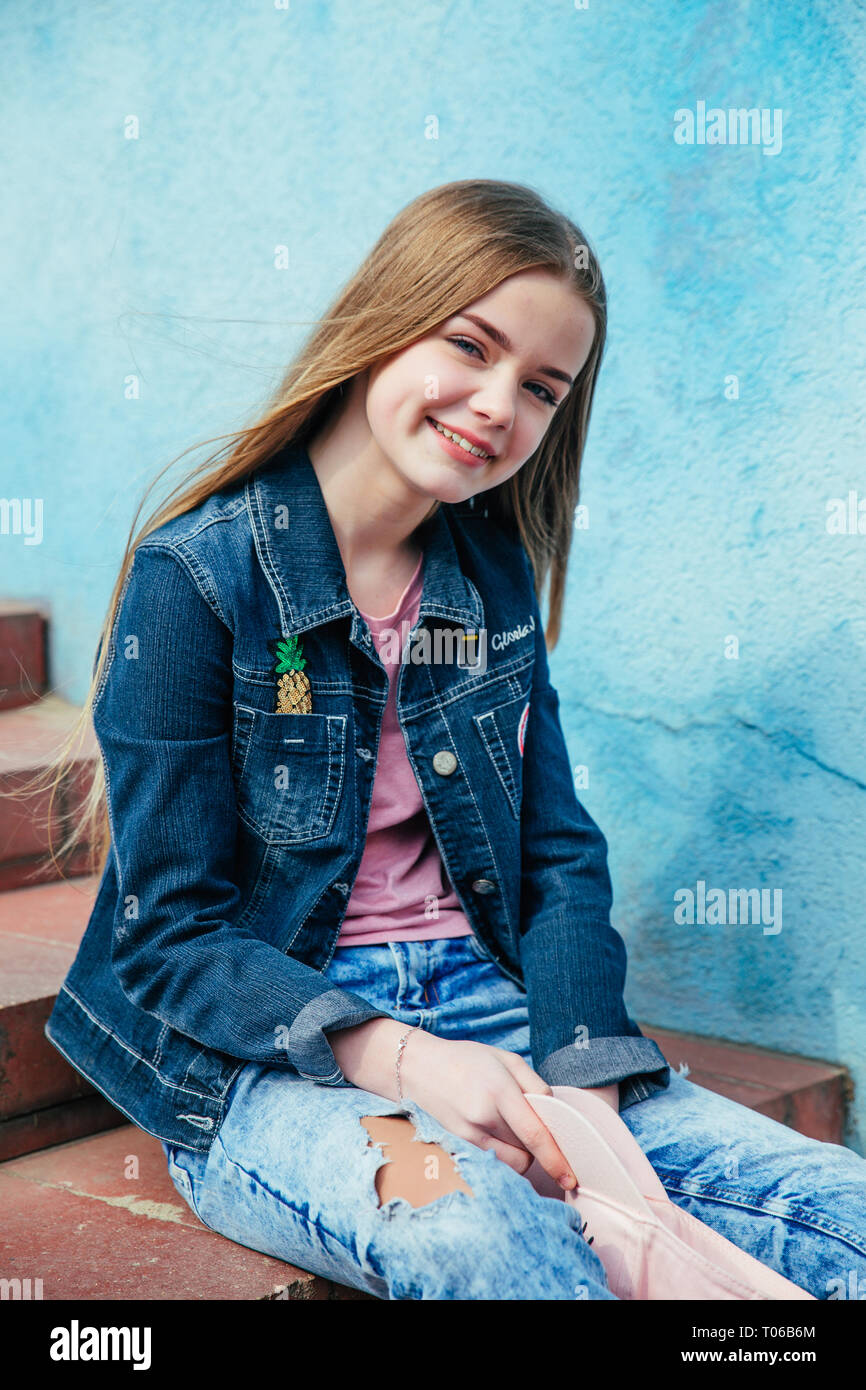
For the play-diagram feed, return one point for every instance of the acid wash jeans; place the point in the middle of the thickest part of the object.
(292, 1170)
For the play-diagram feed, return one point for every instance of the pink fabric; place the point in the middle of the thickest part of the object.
(650, 1248)
(401, 892)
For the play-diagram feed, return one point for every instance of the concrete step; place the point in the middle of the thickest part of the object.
(29, 736)
(806, 1094)
(43, 1100)
(23, 653)
(100, 1219)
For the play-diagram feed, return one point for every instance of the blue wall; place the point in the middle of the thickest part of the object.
(153, 259)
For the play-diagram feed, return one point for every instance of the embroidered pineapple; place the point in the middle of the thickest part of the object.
(293, 687)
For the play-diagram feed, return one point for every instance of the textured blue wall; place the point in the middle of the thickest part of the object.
(306, 126)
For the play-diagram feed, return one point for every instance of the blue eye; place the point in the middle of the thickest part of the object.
(547, 396)
(468, 341)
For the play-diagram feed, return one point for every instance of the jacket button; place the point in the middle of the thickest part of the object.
(444, 762)
(483, 885)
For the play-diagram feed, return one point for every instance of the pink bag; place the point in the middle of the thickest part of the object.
(650, 1248)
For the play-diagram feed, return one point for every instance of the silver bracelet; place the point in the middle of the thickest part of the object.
(400, 1047)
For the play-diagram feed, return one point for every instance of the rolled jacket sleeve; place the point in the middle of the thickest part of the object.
(572, 959)
(163, 719)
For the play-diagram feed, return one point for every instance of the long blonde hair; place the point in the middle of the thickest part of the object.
(444, 250)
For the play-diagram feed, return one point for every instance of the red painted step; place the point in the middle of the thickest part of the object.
(100, 1219)
(23, 653)
(808, 1095)
(43, 1100)
(29, 737)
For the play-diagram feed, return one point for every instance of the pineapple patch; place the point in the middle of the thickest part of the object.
(293, 693)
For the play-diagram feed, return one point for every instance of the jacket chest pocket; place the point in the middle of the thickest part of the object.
(502, 731)
(289, 771)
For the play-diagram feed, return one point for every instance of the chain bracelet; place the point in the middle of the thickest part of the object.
(400, 1047)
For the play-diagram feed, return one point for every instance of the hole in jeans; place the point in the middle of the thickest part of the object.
(418, 1172)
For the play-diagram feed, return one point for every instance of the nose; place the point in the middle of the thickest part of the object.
(494, 402)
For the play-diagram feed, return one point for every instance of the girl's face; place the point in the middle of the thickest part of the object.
(496, 385)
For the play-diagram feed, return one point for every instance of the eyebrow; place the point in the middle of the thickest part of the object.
(505, 343)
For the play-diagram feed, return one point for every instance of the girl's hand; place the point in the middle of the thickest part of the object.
(474, 1090)
(477, 1092)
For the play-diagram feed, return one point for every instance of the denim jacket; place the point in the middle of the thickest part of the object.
(237, 831)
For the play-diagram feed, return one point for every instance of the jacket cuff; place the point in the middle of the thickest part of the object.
(308, 1048)
(642, 1087)
(636, 1062)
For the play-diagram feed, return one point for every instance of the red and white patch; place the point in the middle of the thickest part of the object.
(521, 729)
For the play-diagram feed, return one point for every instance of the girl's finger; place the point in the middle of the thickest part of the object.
(536, 1137)
(517, 1158)
(527, 1079)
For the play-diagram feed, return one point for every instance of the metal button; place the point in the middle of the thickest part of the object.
(444, 762)
(483, 885)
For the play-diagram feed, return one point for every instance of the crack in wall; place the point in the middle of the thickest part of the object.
(781, 737)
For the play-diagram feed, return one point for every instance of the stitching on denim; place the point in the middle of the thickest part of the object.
(232, 509)
(187, 1190)
(260, 544)
(260, 887)
(503, 897)
(441, 700)
(205, 588)
(116, 1103)
(335, 731)
(200, 1053)
(112, 642)
(415, 710)
(248, 737)
(344, 608)
(488, 736)
(110, 814)
(112, 648)
(164, 1081)
(256, 676)
(477, 948)
(742, 1201)
(160, 1042)
(189, 565)
(511, 792)
(288, 944)
(333, 949)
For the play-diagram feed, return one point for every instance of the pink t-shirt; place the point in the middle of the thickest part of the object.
(401, 892)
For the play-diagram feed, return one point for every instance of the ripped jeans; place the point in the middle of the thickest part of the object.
(292, 1170)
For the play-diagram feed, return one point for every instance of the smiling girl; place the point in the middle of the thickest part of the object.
(351, 910)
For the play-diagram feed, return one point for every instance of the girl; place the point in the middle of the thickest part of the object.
(352, 910)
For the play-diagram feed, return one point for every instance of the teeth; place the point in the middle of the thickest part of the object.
(464, 443)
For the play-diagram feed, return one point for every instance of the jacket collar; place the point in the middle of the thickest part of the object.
(298, 551)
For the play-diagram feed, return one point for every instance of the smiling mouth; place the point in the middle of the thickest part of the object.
(459, 441)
